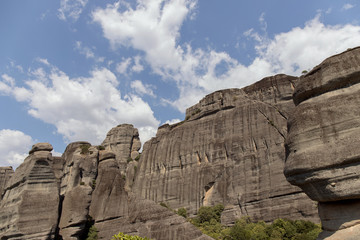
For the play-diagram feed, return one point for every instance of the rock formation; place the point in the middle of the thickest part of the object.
(29, 207)
(323, 153)
(61, 197)
(5, 174)
(230, 150)
(124, 141)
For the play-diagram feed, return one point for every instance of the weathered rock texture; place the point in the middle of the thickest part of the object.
(29, 207)
(323, 150)
(230, 150)
(61, 197)
(124, 141)
(5, 174)
(79, 174)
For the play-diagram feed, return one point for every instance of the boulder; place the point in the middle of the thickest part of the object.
(323, 154)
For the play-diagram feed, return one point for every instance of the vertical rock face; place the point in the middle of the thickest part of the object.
(5, 175)
(124, 141)
(230, 150)
(31, 191)
(79, 174)
(323, 154)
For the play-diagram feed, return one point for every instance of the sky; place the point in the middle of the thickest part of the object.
(71, 70)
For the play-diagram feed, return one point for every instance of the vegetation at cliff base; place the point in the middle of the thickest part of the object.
(122, 236)
(208, 221)
(93, 233)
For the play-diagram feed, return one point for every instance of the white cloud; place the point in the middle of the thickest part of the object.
(123, 66)
(71, 9)
(137, 65)
(83, 108)
(14, 147)
(142, 89)
(347, 6)
(153, 27)
(172, 121)
(87, 52)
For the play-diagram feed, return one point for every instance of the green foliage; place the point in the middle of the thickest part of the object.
(182, 212)
(138, 157)
(129, 160)
(84, 148)
(280, 229)
(93, 185)
(93, 233)
(82, 183)
(205, 214)
(304, 72)
(135, 168)
(100, 147)
(208, 221)
(164, 205)
(122, 236)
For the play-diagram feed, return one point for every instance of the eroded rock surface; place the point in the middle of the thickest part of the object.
(124, 141)
(230, 150)
(31, 193)
(77, 185)
(5, 175)
(323, 154)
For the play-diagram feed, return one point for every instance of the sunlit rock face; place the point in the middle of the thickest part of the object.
(124, 141)
(5, 175)
(323, 144)
(31, 193)
(229, 150)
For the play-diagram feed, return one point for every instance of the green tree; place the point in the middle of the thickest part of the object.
(93, 233)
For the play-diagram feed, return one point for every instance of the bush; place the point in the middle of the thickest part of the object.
(129, 159)
(138, 157)
(122, 236)
(205, 214)
(92, 234)
(164, 205)
(100, 147)
(182, 212)
(84, 149)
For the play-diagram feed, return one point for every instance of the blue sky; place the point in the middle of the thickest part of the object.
(72, 69)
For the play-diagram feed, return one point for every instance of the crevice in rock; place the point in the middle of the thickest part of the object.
(57, 231)
(272, 124)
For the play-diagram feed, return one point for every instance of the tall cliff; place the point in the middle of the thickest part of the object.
(61, 197)
(323, 150)
(229, 150)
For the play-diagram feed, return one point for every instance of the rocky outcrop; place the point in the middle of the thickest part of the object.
(124, 141)
(31, 193)
(5, 175)
(230, 150)
(77, 184)
(323, 154)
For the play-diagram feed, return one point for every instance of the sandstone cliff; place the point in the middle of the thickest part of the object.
(230, 150)
(323, 154)
(5, 175)
(61, 197)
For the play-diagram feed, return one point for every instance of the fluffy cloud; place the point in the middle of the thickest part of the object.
(153, 27)
(14, 147)
(142, 89)
(87, 52)
(83, 108)
(71, 9)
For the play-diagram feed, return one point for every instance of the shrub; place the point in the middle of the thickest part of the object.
(129, 159)
(84, 149)
(93, 185)
(138, 157)
(93, 233)
(122, 236)
(82, 183)
(182, 212)
(164, 205)
(100, 147)
(205, 214)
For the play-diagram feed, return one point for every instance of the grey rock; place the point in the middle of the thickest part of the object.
(122, 140)
(29, 207)
(229, 150)
(5, 175)
(323, 154)
(79, 174)
(41, 147)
